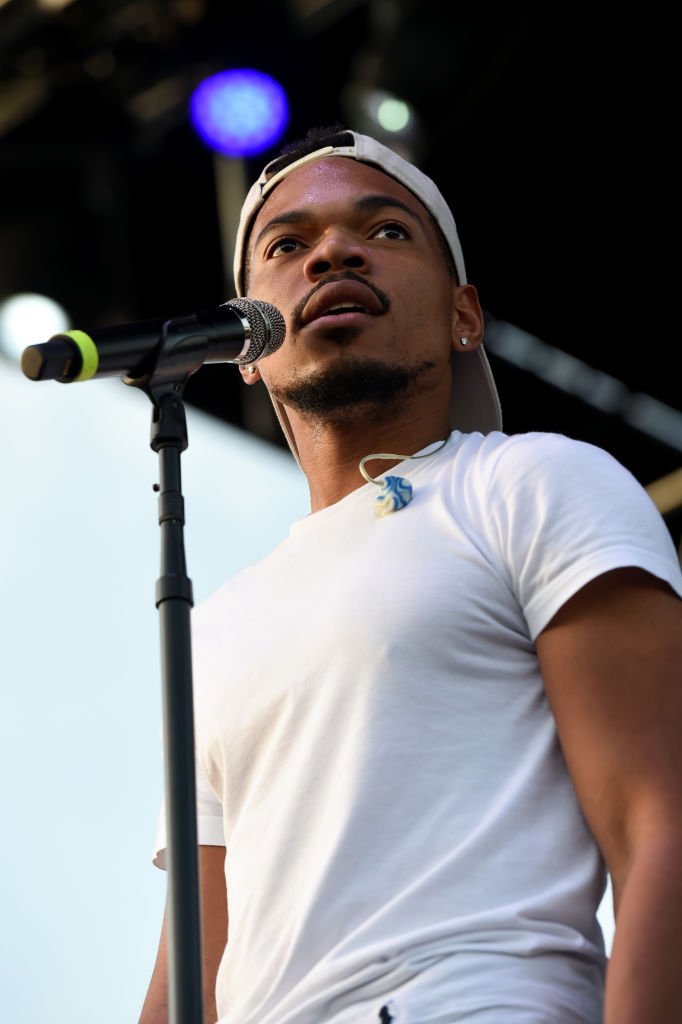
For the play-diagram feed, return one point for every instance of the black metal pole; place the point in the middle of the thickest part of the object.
(174, 601)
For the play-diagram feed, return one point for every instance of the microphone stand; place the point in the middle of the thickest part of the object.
(164, 385)
(183, 348)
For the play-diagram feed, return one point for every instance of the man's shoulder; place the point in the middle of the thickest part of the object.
(241, 582)
(540, 452)
(541, 473)
(497, 443)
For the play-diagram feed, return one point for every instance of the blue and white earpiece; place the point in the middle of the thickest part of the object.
(396, 491)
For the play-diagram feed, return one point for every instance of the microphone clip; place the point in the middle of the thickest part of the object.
(181, 352)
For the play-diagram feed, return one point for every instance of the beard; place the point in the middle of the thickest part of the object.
(355, 386)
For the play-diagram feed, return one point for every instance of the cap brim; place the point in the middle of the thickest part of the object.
(475, 405)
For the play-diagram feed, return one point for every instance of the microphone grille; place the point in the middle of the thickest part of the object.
(267, 327)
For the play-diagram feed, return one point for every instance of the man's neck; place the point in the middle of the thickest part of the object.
(330, 454)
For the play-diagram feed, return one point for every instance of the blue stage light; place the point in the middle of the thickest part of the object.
(239, 112)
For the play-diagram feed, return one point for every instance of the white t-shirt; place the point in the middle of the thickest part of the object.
(376, 752)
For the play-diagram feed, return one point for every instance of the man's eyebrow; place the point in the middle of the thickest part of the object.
(365, 204)
(293, 217)
(379, 202)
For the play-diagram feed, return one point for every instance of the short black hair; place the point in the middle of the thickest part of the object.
(334, 134)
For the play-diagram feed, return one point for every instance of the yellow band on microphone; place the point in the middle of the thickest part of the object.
(89, 354)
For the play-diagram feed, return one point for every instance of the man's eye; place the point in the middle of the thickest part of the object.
(282, 246)
(391, 230)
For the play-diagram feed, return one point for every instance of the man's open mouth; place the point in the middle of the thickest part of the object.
(339, 297)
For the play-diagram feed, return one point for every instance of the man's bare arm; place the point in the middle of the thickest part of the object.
(213, 901)
(612, 664)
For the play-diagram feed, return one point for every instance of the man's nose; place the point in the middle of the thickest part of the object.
(336, 250)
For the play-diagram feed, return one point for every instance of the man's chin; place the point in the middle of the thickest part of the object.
(352, 386)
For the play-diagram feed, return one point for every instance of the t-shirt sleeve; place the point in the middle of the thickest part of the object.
(210, 831)
(562, 512)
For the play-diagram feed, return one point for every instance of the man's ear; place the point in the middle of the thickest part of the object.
(250, 373)
(467, 318)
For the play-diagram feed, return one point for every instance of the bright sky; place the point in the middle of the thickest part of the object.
(80, 742)
(80, 729)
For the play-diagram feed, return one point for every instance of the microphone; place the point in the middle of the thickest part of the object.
(238, 331)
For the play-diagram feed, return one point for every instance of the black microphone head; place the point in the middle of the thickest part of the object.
(266, 324)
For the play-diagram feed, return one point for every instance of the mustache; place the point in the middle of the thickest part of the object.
(347, 275)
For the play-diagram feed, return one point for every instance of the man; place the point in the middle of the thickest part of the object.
(423, 735)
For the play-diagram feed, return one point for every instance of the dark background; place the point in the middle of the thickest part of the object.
(550, 129)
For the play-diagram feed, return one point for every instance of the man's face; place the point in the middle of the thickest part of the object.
(353, 262)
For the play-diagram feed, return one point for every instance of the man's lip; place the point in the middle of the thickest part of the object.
(338, 294)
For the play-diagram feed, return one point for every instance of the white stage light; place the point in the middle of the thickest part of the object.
(29, 319)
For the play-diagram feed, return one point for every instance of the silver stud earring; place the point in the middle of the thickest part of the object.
(464, 341)
(252, 369)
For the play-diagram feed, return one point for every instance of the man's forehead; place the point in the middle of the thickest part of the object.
(331, 180)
